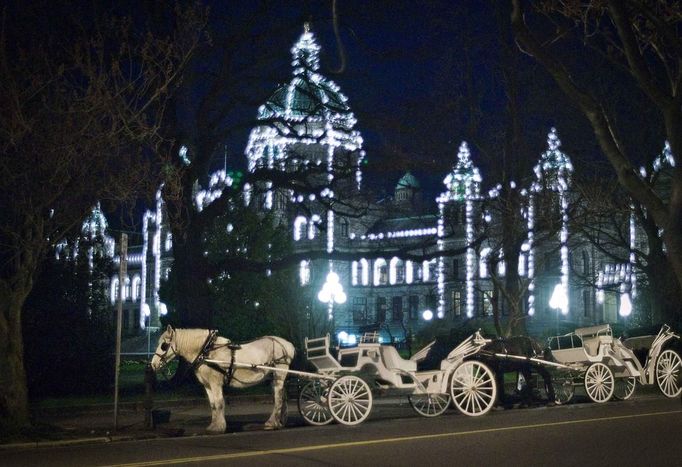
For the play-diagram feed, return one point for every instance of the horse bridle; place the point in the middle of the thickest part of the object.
(165, 346)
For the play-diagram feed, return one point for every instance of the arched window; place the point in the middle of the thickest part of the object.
(127, 291)
(169, 241)
(354, 273)
(364, 271)
(425, 272)
(313, 226)
(396, 274)
(137, 283)
(483, 263)
(300, 224)
(114, 289)
(380, 272)
(408, 272)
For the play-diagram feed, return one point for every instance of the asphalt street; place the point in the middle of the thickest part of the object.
(644, 431)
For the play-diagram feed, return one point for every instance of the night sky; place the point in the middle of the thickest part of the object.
(412, 71)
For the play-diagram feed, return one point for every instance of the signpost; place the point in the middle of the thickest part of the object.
(122, 272)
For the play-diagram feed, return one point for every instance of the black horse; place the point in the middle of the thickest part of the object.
(496, 356)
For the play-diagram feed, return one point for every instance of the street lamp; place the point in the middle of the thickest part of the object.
(625, 305)
(559, 300)
(332, 290)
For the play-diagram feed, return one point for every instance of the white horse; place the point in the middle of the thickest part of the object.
(198, 345)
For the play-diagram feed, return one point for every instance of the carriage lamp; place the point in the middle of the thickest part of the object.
(559, 300)
(625, 305)
(332, 290)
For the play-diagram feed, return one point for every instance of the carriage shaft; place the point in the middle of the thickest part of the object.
(251, 366)
(539, 361)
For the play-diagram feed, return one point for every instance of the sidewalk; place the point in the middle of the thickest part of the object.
(95, 423)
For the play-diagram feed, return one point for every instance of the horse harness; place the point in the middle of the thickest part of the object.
(228, 373)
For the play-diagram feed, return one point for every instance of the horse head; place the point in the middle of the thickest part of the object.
(166, 350)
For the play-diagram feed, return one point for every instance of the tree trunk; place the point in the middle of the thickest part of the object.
(13, 389)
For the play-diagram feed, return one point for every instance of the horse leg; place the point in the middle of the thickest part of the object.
(549, 386)
(214, 390)
(526, 391)
(278, 416)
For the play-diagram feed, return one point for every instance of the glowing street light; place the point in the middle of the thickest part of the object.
(625, 305)
(427, 315)
(332, 290)
(559, 300)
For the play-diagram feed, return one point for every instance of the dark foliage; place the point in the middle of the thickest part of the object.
(68, 327)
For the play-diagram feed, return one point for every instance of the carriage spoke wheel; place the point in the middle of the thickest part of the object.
(350, 400)
(312, 403)
(473, 388)
(599, 382)
(668, 368)
(625, 388)
(564, 391)
(429, 405)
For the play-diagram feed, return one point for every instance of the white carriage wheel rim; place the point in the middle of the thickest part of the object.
(473, 388)
(350, 400)
(312, 404)
(629, 384)
(668, 367)
(429, 405)
(599, 382)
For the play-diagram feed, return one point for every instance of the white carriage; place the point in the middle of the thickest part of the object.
(343, 392)
(608, 367)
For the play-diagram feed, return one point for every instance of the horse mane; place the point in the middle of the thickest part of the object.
(190, 340)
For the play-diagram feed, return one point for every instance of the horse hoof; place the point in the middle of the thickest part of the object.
(271, 427)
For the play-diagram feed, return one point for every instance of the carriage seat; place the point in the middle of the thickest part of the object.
(594, 336)
(393, 361)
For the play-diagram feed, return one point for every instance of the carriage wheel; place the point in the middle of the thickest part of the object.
(668, 367)
(564, 391)
(473, 388)
(599, 382)
(312, 403)
(429, 405)
(350, 400)
(625, 388)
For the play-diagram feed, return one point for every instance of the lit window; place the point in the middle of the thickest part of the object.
(364, 271)
(137, 283)
(313, 226)
(305, 272)
(300, 224)
(396, 273)
(380, 272)
(114, 289)
(127, 291)
(483, 263)
(408, 272)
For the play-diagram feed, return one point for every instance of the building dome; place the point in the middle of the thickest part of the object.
(408, 181)
(309, 109)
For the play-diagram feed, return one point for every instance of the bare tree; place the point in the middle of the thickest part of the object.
(640, 40)
(82, 98)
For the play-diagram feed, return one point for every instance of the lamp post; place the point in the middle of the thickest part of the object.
(332, 290)
(559, 302)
